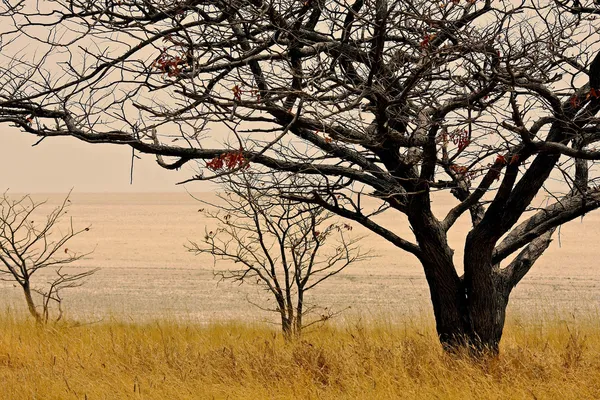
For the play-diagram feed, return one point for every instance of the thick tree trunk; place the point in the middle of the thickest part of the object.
(489, 327)
(449, 307)
(485, 295)
(487, 317)
(469, 311)
(466, 325)
(487, 311)
(444, 283)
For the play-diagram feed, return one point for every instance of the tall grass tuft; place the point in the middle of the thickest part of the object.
(377, 359)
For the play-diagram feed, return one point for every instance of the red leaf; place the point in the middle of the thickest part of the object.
(237, 92)
(426, 40)
(574, 101)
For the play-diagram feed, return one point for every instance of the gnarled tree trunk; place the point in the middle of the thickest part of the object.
(469, 315)
(478, 325)
(470, 311)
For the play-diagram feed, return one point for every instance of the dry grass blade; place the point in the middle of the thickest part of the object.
(376, 360)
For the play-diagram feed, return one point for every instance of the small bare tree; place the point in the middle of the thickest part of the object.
(27, 246)
(285, 246)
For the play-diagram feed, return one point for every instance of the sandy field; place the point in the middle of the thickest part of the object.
(146, 273)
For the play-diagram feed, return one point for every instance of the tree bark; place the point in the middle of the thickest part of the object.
(487, 313)
(469, 311)
(449, 308)
(30, 304)
(484, 303)
(299, 311)
(445, 288)
(286, 326)
(468, 319)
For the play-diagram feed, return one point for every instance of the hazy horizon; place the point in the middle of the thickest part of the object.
(60, 164)
(145, 271)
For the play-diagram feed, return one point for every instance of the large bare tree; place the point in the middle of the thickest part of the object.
(396, 100)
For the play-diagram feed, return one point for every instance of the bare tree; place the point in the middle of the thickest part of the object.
(28, 246)
(285, 246)
(392, 99)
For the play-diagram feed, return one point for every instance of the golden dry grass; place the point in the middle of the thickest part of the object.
(555, 359)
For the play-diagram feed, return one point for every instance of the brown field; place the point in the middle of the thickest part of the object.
(153, 323)
(540, 359)
(147, 274)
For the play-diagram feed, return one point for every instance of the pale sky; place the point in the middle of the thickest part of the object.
(58, 164)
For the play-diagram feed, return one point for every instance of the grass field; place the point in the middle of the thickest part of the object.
(540, 359)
